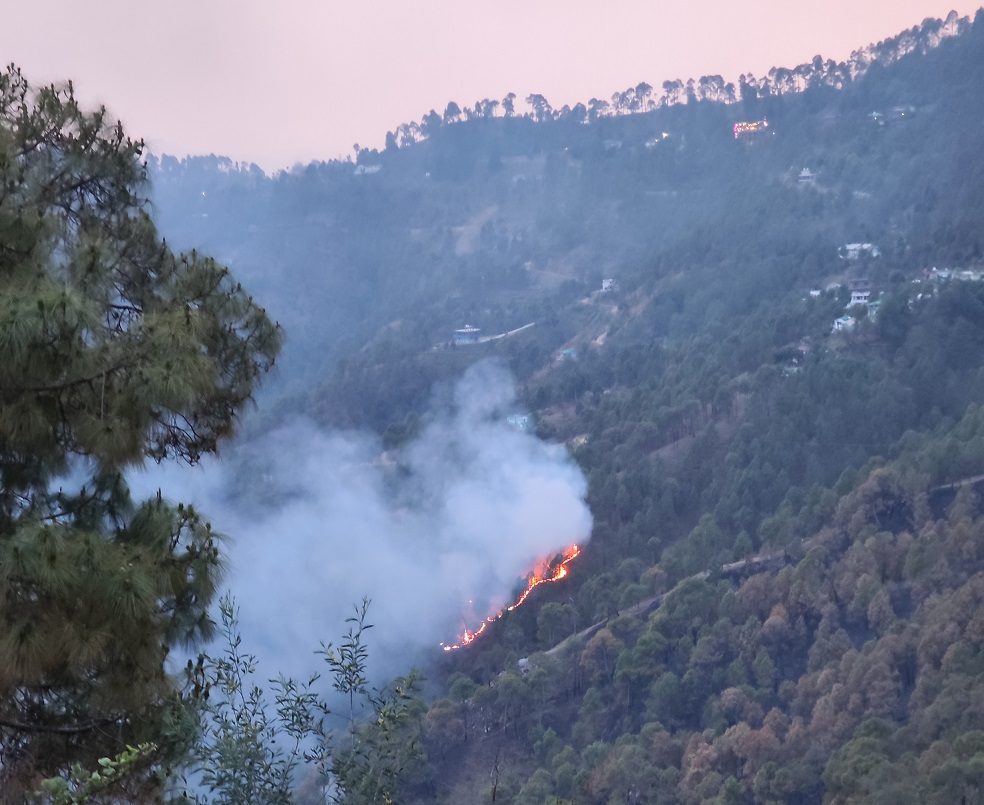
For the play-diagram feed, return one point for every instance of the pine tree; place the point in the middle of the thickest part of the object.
(113, 350)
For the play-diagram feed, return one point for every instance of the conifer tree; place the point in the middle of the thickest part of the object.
(113, 350)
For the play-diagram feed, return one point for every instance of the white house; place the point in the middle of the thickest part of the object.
(466, 335)
(843, 324)
(521, 422)
(854, 251)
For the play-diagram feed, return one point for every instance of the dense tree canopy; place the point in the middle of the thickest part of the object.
(114, 350)
(780, 600)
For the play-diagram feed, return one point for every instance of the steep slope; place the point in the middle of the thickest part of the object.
(704, 392)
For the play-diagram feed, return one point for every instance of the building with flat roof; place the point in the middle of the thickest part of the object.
(466, 335)
(747, 129)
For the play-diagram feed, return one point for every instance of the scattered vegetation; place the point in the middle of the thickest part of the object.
(781, 600)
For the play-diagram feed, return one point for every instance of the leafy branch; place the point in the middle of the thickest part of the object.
(81, 786)
(252, 748)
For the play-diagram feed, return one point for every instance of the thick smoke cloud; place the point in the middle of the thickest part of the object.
(318, 519)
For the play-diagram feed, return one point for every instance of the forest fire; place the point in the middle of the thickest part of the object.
(545, 573)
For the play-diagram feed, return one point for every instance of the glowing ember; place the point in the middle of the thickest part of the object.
(544, 574)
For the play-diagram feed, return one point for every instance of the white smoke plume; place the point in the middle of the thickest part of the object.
(319, 519)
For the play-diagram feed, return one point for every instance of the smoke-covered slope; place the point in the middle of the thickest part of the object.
(705, 396)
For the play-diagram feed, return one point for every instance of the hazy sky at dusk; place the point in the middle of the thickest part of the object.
(296, 80)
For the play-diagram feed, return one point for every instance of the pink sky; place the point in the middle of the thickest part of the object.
(283, 81)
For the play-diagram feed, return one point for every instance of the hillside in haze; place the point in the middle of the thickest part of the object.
(753, 316)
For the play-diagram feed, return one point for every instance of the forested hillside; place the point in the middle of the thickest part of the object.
(782, 597)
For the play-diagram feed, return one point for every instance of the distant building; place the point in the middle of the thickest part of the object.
(521, 422)
(859, 298)
(859, 284)
(844, 324)
(362, 170)
(610, 284)
(466, 335)
(855, 251)
(750, 129)
(815, 292)
(965, 275)
(806, 176)
(860, 289)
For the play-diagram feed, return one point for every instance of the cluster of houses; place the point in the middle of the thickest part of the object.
(962, 275)
(861, 290)
(860, 297)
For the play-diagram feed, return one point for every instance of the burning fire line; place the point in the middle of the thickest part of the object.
(556, 573)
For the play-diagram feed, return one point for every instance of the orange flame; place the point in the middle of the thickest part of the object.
(545, 573)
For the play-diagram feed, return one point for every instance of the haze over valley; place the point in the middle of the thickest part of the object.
(551, 448)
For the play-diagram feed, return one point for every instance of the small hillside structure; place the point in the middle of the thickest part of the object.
(466, 335)
(855, 251)
(609, 284)
(964, 275)
(750, 130)
(806, 177)
(520, 422)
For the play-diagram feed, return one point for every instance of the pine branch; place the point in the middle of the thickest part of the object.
(63, 386)
(59, 729)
